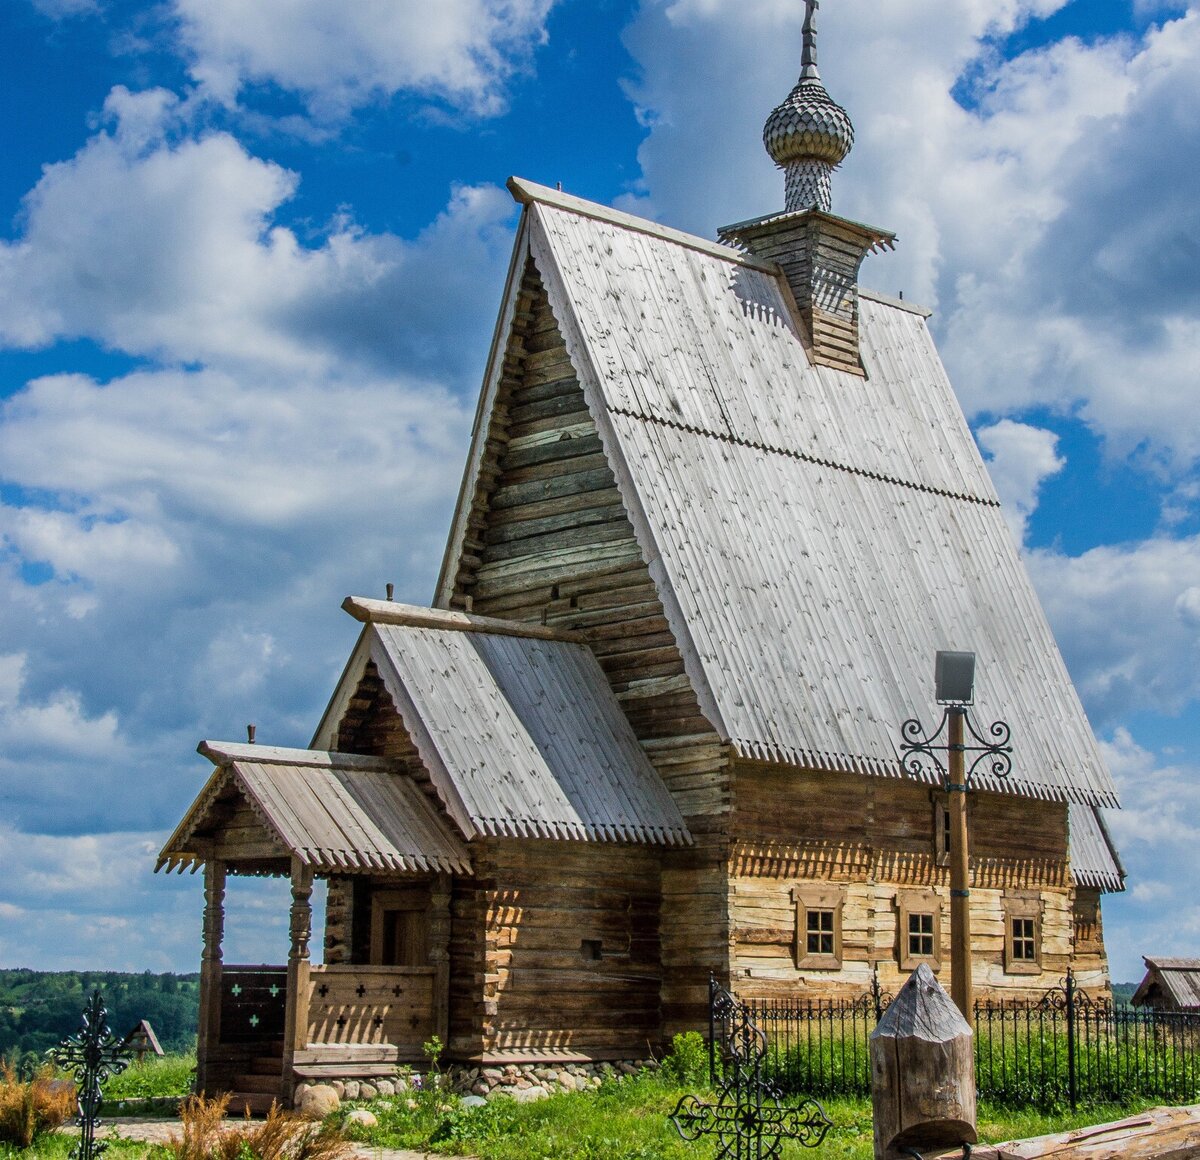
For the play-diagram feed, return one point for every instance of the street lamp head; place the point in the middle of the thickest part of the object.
(954, 678)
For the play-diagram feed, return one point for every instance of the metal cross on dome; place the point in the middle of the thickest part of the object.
(92, 1054)
(749, 1120)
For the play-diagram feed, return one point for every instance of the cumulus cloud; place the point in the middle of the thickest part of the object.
(163, 244)
(340, 56)
(1028, 193)
(1125, 619)
(1156, 832)
(1019, 459)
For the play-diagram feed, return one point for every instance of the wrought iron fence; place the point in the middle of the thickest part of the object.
(1065, 1049)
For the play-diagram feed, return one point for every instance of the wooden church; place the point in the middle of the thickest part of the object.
(720, 510)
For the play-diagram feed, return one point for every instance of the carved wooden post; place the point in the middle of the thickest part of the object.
(208, 1035)
(439, 954)
(295, 1022)
(922, 1072)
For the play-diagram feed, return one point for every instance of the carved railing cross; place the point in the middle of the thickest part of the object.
(92, 1054)
(748, 1119)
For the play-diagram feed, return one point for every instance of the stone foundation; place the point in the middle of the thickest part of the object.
(522, 1081)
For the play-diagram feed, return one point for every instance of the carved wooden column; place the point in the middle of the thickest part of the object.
(208, 1036)
(295, 1033)
(439, 953)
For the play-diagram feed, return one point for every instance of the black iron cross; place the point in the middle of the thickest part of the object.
(748, 1119)
(93, 1054)
(360, 990)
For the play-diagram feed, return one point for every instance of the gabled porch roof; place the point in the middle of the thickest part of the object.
(337, 812)
(515, 724)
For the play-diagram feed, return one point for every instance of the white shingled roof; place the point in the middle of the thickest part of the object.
(815, 536)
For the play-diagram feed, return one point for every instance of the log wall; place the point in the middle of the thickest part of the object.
(572, 959)
(873, 839)
(549, 542)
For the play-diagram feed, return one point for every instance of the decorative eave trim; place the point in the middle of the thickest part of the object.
(877, 237)
(529, 192)
(414, 616)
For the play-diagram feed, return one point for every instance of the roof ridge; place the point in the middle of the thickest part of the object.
(814, 459)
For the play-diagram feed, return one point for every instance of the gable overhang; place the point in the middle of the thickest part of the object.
(514, 724)
(338, 813)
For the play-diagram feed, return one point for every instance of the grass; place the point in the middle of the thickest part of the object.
(627, 1120)
(623, 1119)
(154, 1078)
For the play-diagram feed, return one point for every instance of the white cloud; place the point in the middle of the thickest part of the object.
(1051, 224)
(57, 724)
(1156, 832)
(164, 244)
(1020, 458)
(339, 56)
(1122, 618)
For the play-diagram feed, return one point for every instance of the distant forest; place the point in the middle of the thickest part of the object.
(39, 1009)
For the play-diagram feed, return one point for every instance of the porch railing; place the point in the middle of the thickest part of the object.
(352, 1004)
(253, 1000)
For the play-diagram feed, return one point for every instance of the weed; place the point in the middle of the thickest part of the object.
(30, 1108)
(281, 1136)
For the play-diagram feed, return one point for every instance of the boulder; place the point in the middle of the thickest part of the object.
(361, 1118)
(316, 1100)
(472, 1102)
(529, 1095)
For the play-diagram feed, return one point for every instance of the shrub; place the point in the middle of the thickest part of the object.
(30, 1108)
(281, 1136)
(687, 1065)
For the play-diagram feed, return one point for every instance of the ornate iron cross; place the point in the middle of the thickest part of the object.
(748, 1120)
(93, 1054)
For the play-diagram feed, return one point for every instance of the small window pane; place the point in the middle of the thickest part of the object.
(1024, 940)
(819, 931)
(920, 935)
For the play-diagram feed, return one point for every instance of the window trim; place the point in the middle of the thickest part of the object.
(908, 903)
(941, 828)
(817, 896)
(1022, 905)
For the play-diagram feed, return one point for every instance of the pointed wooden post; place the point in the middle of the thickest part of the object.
(208, 1037)
(922, 1072)
(295, 1020)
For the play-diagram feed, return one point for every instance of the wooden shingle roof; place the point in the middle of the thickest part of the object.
(519, 732)
(815, 537)
(337, 812)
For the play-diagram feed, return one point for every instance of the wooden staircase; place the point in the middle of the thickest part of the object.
(260, 1085)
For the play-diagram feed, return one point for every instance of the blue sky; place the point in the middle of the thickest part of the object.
(250, 257)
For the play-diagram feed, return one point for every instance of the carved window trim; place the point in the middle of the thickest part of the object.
(1022, 933)
(813, 900)
(910, 904)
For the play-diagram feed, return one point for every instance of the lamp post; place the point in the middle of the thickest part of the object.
(954, 686)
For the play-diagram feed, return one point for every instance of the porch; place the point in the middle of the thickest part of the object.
(303, 815)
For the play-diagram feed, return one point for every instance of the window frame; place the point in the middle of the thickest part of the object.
(941, 828)
(817, 897)
(1022, 906)
(909, 903)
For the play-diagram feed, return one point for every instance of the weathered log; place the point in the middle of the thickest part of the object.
(922, 1071)
(1161, 1134)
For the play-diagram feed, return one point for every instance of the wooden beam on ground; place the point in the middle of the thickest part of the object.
(1159, 1134)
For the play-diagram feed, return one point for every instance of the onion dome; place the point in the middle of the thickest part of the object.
(810, 134)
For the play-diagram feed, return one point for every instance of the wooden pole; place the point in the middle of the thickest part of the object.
(295, 1022)
(208, 1038)
(960, 894)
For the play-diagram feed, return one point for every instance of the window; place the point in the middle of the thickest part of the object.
(818, 926)
(920, 936)
(941, 829)
(919, 929)
(1022, 933)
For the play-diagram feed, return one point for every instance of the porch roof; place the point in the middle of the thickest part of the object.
(336, 812)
